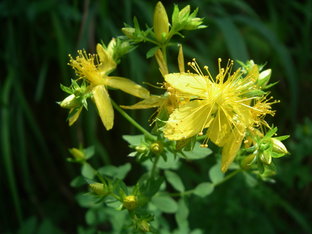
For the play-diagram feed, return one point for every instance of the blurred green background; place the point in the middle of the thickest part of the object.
(36, 38)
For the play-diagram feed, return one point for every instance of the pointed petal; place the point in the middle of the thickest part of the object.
(107, 62)
(150, 102)
(104, 106)
(73, 115)
(187, 120)
(189, 83)
(161, 63)
(232, 147)
(181, 60)
(127, 86)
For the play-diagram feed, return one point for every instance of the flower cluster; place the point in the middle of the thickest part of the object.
(227, 109)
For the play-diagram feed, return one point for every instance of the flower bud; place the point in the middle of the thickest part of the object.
(129, 32)
(265, 157)
(278, 146)
(161, 22)
(184, 13)
(77, 154)
(141, 148)
(70, 102)
(264, 77)
(193, 23)
(130, 202)
(144, 226)
(248, 161)
(98, 189)
(156, 148)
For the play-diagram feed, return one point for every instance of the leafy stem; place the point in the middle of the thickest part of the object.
(155, 165)
(133, 122)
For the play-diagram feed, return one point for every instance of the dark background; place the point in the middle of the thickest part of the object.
(36, 38)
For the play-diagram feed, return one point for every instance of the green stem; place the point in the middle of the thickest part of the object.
(229, 176)
(155, 166)
(133, 122)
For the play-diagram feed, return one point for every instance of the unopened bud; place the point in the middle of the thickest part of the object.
(70, 102)
(184, 13)
(161, 22)
(278, 146)
(77, 154)
(144, 226)
(248, 161)
(266, 158)
(130, 202)
(129, 32)
(156, 148)
(98, 189)
(264, 77)
(141, 148)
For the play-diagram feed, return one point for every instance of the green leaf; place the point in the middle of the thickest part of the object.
(171, 163)
(116, 172)
(165, 204)
(181, 217)
(250, 180)
(134, 139)
(87, 200)
(197, 231)
(150, 53)
(204, 189)
(91, 217)
(197, 153)
(78, 181)
(233, 38)
(216, 174)
(174, 180)
(87, 171)
(89, 152)
(28, 226)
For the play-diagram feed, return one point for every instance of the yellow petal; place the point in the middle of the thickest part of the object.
(187, 120)
(104, 106)
(150, 102)
(127, 86)
(107, 62)
(161, 62)
(189, 83)
(219, 129)
(73, 117)
(232, 147)
(181, 60)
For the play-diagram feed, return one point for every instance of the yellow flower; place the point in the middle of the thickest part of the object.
(224, 106)
(94, 68)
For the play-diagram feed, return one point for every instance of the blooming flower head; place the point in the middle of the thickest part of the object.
(94, 69)
(221, 108)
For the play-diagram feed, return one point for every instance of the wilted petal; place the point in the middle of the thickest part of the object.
(127, 86)
(104, 106)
